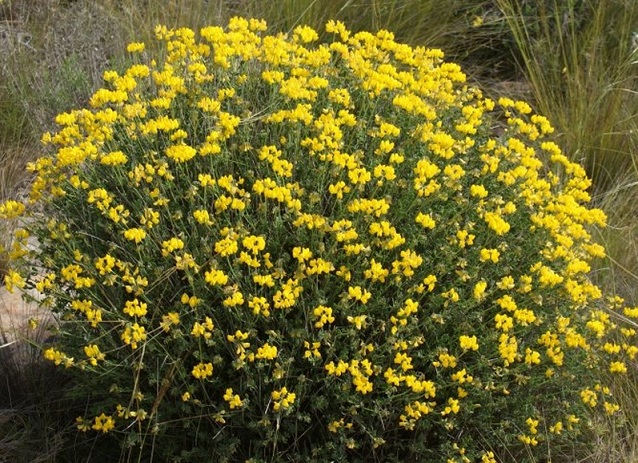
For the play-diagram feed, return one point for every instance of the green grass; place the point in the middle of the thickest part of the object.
(576, 60)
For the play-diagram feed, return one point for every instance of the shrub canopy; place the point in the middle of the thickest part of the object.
(265, 248)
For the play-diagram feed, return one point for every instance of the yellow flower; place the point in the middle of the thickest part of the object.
(192, 301)
(202, 370)
(133, 334)
(556, 428)
(305, 34)
(461, 377)
(425, 220)
(172, 318)
(235, 299)
(114, 158)
(528, 440)
(135, 234)
(533, 425)
(452, 407)
(181, 153)
(336, 370)
(93, 352)
(259, 305)
(58, 357)
(468, 342)
(611, 408)
(479, 290)
(617, 367)
(202, 216)
(376, 272)
(135, 47)
(135, 308)
(282, 398)
(496, 223)
(323, 315)
(589, 397)
(171, 245)
(11, 209)
(266, 352)
(216, 277)
(103, 423)
(14, 280)
(403, 360)
(446, 360)
(254, 243)
(359, 294)
(312, 351)
(226, 246)
(234, 401)
(479, 191)
(358, 321)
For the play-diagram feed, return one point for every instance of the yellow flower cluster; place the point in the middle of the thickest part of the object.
(283, 399)
(133, 334)
(58, 357)
(202, 370)
(234, 401)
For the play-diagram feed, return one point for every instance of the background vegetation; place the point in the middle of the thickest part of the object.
(573, 60)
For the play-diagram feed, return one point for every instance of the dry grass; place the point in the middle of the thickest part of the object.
(619, 271)
(580, 62)
(34, 418)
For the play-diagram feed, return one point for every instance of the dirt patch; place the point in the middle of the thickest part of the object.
(15, 317)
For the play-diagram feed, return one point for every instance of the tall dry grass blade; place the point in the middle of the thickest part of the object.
(579, 61)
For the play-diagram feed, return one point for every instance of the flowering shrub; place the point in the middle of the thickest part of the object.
(262, 248)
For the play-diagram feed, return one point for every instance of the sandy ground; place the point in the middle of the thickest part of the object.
(15, 315)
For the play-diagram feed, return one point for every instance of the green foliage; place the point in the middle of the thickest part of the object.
(263, 248)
